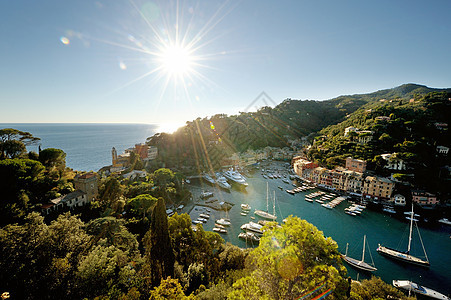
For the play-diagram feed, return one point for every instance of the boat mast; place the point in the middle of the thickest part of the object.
(363, 254)
(274, 205)
(410, 231)
(267, 196)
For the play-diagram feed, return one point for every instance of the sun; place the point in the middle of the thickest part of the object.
(176, 60)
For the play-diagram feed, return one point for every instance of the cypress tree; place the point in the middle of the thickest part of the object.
(161, 254)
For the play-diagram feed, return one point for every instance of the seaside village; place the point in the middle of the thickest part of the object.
(352, 180)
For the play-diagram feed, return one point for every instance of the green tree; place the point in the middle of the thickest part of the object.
(160, 255)
(169, 289)
(52, 157)
(13, 142)
(142, 204)
(292, 260)
(18, 178)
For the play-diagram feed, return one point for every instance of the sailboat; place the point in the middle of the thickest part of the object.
(405, 256)
(360, 264)
(266, 214)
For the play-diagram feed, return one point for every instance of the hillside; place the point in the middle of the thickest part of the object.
(411, 129)
(203, 143)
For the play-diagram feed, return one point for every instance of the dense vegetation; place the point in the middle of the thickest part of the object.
(204, 143)
(123, 245)
(411, 132)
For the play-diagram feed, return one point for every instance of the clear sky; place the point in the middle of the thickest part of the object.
(169, 62)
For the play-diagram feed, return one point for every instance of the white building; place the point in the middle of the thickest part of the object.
(393, 163)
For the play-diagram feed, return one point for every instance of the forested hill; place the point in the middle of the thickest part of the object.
(203, 143)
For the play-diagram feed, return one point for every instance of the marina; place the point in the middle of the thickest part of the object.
(336, 223)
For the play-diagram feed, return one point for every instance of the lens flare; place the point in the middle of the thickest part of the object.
(65, 40)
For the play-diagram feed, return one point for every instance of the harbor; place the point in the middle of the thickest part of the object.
(334, 221)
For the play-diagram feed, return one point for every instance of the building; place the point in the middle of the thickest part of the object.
(300, 164)
(442, 150)
(350, 129)
(352, 182)
(88, 184)
(152, 153)
(355, 165)
(383, 118)
(71, 200)
(393, 162)
(398, 200)
(424, 198)
(142, 150)
(120, 161)
(377, 188)
(365, 136)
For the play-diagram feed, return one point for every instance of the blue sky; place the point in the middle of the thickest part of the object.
(97, 61)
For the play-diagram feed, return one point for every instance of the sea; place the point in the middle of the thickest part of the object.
(87, 146)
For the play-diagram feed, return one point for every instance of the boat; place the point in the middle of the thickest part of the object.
(235, 176)
(243, 214)
(223, 222)
(245, 206)
(326, 205)
(410, 286)
(359, 264)
(206, 195)
(266, 214)
(208, 178)
(389, 210)
(249, 236)
(290, 192)
(220, 230)
(252, 226)
(222, 181)
(205, 216)
(406, 256)
(445, 221)
(350, 213)
(309, 200)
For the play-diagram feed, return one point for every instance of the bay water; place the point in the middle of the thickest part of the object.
(378, 227)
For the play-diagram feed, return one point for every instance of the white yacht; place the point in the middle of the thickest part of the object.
(208, 178)
(445, 221)
(235, 176)
(252, 226)
(222, 181)
(410, 286)
(223, 222)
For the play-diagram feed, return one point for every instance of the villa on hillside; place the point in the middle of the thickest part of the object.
(86, 191)
(393, 162)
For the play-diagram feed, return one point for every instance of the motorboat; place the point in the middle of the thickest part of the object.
(223, 222)
(252, 226)
(249, 236)
(235, 176)
(208, 178)
(220, 230)
(445, 221)
(410, 287)
(245, 206)
(222, 181)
